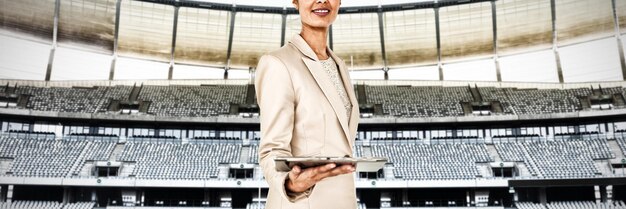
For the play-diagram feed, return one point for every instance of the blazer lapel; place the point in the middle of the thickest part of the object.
(324, 82)
(354, 115)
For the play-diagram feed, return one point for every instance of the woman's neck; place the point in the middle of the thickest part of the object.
(317, 39)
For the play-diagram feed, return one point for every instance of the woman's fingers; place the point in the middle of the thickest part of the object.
(344, 169)
(303, 179)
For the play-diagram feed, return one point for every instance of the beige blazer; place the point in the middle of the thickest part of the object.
(303, 115)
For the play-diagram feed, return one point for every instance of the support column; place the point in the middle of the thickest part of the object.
(55, 31)
(405, 197)
(207, 197)
(142, 198)
(438, 34)
(543, 198)
(597, 193)
(381, 31)
(94, 196)
(609, 194)
(555, 47)
(468, 198)
(170, 73)
(2, 193)
(67, 195)
(494, 22)
(618, 35)
(330, 37)
(233, 14)
(10, 194)
(115, 39)
(283, 27)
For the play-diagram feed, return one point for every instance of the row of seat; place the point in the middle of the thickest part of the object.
(440, 161)
(179, 161)
(423, 101)
(176, 160)
(557, 159)
(82, 100)
(45, 205)
(571, 205)
(193, 101)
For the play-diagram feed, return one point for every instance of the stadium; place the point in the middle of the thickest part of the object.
(150, 104)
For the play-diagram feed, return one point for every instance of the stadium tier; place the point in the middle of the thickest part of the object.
(571, 205)
(409, 159)
(45, 205)
(395, 101)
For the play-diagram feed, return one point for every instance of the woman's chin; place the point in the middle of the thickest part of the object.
(321, 24)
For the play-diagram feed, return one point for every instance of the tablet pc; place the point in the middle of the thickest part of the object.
(362, 164)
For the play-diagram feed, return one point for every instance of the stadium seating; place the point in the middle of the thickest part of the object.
(436, 162)
(200, 159)
(45, 205)
(81, 100)
(255, 205)
(571, 205)
(557, 159)
(427, 101)
(396, 101)
(621, 141)
(192, 101)
(253, 155)
(50, 158)
(535, 101)
(178, 160)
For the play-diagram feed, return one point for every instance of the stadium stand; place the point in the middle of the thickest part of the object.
(255, 205)
(178, 160)
(536, 101)
(427, 101)
(621, 141)
(557, 159)
(201, 159)
(396, 101)
(45, 205)
(253, 156)
(571, 205)
(436, 162)
(81, 100)
(192, 101)
(47, 158)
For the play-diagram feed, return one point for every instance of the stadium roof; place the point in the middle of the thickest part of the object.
(285, 6)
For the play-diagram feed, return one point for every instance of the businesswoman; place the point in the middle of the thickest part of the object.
(308, 108)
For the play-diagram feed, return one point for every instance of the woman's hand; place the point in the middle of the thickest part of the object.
(300, 180)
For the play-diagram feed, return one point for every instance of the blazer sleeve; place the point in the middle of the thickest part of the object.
(276, 98)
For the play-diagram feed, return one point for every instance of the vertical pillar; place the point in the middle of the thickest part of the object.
(330, 37)
(494, 22)
(2, 193)
(94, 195)
(207, 197)
(55, 31)
(405, 197)
(468, 198)
(597, 193)
(438, 35)
(170, 73)
(618, 35)
(609, 194)
(283, 27)
(555, 47)
(381, 31)
(233, 14)
(67, 193)
(10, 194)
(543, 198)
(115, 38)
